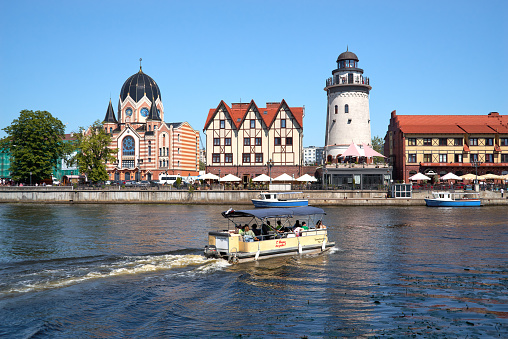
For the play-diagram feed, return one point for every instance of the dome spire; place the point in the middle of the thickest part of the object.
(140, 70)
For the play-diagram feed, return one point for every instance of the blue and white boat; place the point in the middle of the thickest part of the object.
(449, 199)
(280, 199)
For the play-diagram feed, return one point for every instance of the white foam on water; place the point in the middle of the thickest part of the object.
(132, 265)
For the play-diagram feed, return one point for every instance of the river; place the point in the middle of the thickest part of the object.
(137, 271)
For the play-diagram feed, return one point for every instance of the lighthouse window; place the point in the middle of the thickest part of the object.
(349, 121)
(346, 108)
(336, 109)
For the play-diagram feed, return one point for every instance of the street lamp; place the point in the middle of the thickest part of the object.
(476, 163)
(269, 164)
(325, 178)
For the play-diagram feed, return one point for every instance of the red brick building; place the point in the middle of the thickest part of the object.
(447, 143)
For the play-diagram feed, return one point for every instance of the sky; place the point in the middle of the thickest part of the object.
(422, 57)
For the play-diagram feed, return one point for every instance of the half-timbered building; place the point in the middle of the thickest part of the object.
(246, 140)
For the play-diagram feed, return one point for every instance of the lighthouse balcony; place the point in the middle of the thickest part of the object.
(347, 81)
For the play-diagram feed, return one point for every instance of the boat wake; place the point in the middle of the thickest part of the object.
(75, 273)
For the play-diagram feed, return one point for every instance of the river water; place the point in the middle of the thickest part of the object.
(136, 271)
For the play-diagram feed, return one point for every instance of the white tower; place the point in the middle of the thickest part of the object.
(348, 116)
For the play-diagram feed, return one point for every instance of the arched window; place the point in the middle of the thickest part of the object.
(346, 108)
(128, 146)
(336, 109)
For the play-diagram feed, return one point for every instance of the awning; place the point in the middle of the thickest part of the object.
(273, 212)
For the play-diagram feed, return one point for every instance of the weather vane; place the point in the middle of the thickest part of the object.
(140, 59)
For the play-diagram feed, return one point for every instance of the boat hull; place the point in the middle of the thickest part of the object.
(260, 203)
(452, 203)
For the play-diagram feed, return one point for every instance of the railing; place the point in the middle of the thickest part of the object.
(347, 81)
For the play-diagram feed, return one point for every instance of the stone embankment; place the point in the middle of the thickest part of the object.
(66, 195)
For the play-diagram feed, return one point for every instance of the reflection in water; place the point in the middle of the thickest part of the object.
(138, 270)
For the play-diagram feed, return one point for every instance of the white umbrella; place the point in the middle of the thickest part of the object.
(229, 177)
(209, 176)
(450, 176)
(419, 176)
(306, 178)
(284, 177)
(262, 178)
(492, 176)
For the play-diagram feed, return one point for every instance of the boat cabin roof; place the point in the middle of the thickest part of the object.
(273, 212)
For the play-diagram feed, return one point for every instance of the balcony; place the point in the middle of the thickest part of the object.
(346, 81)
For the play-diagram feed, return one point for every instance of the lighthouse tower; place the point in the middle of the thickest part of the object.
(348, 116)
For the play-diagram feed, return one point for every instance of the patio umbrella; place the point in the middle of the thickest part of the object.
(306, 178)
(419, 176)
(352, 151)
(284, 177)
(209, 176)
(471, 176)
(491, 176)
(230, 177)
(262, 178)
(370, 152)
(450, 176)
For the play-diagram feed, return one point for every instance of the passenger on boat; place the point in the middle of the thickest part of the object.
(320, 224)
(248, 235)
(297, 225)
(298, 231)
(304, 226)
(256, 230)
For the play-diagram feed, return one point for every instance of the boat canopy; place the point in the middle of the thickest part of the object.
(273, 212)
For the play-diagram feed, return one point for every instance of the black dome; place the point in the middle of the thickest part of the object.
(347, 56)
(139, 84)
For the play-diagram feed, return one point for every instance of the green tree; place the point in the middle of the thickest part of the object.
(202, 166)
(93, 152)
(35, 141)
(378, 144)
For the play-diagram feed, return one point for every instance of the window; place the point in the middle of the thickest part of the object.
(457, 142)
(257, 141)
(489, 157)
(443, 141)
(253, 123)
(246, 158)
(216, 141)
(346, 108)
(411, 158)
(349, 121)
(427, 141)
(259, 158)
(277, 141)
(289, 141)
(427, 158)
(246, 142)
(111, 130)
(149, 150)
(228, 157)
(473, 158)
(458, 158)
(411, 141)
(503, 141)
(336, 109)
(227, 141)
(128, 146)
(128, 163)
(504, 157)
(283, 123)
(489, 141)
(215, 157)
(473, 142)
(223, 124)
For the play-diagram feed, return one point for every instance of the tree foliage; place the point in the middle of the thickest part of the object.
(35, 141)
(378, 144)
(93, 151)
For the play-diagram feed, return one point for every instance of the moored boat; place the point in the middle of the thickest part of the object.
(280, 199)
(451, 199)
(270, 241)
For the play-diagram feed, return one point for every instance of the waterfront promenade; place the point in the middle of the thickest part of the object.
(69, 195)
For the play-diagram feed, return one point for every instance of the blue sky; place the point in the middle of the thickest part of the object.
(422, 57)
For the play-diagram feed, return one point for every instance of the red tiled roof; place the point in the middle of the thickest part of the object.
(441, 124)
(238, 112)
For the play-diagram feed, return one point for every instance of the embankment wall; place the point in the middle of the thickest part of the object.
(121, 196)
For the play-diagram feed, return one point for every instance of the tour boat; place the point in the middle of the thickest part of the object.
(271, 242)
(449, 199)
(281, 199)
